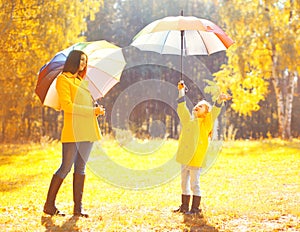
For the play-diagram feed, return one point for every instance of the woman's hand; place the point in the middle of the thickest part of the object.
(99, 110)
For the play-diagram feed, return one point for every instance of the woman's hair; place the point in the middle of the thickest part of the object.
(73, 61)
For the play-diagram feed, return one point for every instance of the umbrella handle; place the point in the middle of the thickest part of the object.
(186, 89)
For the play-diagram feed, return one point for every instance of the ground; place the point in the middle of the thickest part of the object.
(253, 186)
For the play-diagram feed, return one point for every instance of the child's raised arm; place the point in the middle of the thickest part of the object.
(182, 110)
(216, 109)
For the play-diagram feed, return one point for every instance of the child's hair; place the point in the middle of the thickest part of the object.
(204, 102)
(73, 62)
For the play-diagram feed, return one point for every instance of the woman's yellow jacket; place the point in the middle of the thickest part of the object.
(193, 140)
(80, 122)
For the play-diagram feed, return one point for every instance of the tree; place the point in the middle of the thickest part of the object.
(266, 35)
(32, 31)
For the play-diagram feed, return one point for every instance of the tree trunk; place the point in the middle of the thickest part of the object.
(289, 105)
(3, 130)
(284, 104)
(280, 106)
(43, 121)
(278, 93)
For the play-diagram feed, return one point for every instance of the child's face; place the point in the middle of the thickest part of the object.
(200, 111)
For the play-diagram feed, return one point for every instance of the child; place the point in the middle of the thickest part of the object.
(193, 143)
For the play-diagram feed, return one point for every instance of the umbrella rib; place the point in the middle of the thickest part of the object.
(166, 37)
(103, 87)
(95, 86)
(95, 67)
(203, 42)
(107, 83)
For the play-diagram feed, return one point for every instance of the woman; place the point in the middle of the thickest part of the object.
(80, 130)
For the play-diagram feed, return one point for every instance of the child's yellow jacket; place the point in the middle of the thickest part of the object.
(193, 140)
(80, 123)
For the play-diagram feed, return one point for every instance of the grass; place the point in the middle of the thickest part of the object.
(253, 186)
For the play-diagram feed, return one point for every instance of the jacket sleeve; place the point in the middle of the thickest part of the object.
(68, 106)
(182, 110)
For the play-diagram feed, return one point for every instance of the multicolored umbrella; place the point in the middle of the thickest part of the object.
(105, 66)
(182, 35)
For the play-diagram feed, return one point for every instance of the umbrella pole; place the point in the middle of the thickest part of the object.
(181, 56)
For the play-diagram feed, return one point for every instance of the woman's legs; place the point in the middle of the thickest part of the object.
(71, 153)
(49, 207)
(68, 157)
(82, 156)
(84, 149)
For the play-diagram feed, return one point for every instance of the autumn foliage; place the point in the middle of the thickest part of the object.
(260, 70)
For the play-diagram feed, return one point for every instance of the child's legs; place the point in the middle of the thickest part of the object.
(195, 180)
(185, 180)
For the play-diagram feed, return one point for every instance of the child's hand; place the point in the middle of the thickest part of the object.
(224, 97)
(181, 85)
(181, 88)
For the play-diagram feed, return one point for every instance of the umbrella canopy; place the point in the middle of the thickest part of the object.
(105, 66)
(182, 35)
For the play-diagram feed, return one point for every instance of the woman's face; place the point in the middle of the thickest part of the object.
(82, 64)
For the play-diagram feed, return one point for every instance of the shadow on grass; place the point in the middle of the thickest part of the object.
(14, 161)
(9, 152)
(11, 185)
(198, 225)
(69, 225)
